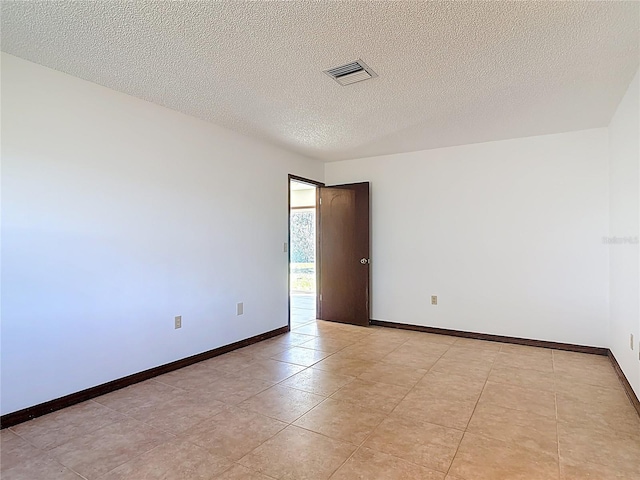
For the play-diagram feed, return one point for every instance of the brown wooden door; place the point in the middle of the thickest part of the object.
(343, 247)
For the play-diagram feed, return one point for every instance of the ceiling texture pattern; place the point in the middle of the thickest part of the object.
(449, 73)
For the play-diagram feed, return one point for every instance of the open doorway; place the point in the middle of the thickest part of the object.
(302, 252)
(329, 264)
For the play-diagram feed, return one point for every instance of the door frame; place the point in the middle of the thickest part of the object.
(317, 184)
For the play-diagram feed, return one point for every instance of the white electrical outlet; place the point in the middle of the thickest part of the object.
(240, 308)
(434, 299)
(178, 322)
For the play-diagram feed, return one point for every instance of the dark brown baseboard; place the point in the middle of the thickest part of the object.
(495, 338)
(625, 383)
(525, 341)
(11, 419)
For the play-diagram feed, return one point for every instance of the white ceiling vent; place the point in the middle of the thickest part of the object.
(351, 73)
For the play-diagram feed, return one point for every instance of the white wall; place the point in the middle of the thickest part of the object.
(117, 215)
(624, 151)
(508, 234)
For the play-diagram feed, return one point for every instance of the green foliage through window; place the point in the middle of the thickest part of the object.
(303, 236)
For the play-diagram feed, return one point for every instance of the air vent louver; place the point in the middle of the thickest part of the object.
(351, 73)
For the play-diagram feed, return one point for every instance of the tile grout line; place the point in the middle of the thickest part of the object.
(317, 433)
(55, 459)
(390, 413)
(473, 412)
(43, 453)
(135, 420)
(288, 424)
(304, 369)
(234, 464)
(173, 435)
(137, 456)
(291, 424)
(358, 447)
(374, 429)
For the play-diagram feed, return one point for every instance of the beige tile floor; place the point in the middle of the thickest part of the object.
(332, 401)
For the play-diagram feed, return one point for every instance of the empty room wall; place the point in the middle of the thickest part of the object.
(508, 234)
(624, 145)
(118, 215)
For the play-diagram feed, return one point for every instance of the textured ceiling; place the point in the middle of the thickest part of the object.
(450, 73)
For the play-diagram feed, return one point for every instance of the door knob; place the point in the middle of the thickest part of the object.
(364, 261)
